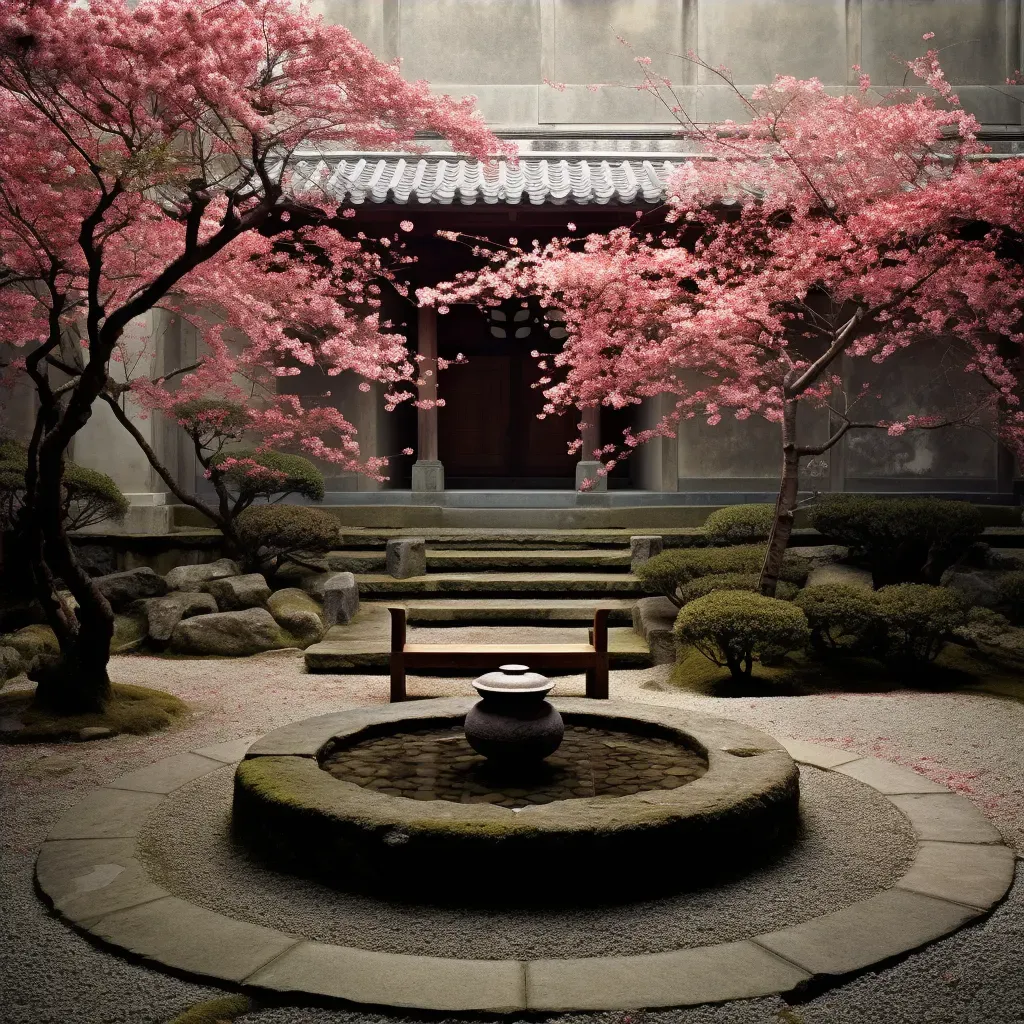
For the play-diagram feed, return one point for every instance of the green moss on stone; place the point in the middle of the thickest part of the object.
(216, 1011)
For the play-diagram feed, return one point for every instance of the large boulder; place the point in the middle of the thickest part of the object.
(232, 634)
(192, 577)
(975, 587)
(11, 662)
(122, 588)
(129, 633)
(298, 613)
(164, 613)
(341, 599)
(236, 593)
(37, 646)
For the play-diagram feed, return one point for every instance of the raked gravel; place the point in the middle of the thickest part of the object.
(970, 742)
(854, 844)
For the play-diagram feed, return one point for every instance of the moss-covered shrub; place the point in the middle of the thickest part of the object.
(737, 524)
(667, 572)
(919, 619)
(733, 628)
(902, 540)
(704, 585)
(1010, 594)
(841, 617)
(257, 475)
(270, 534)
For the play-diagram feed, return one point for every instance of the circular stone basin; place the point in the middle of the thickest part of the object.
(439, 764)
(598, 839)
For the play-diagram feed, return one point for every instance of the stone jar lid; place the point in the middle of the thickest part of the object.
(510, 680)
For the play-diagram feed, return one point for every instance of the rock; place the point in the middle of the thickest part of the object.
(37, 646)
(848, 575)
(236, 593)
(164, 613)
(298, 613)
(122, 588)
(405, 557)
(11, 663)
(341, 599)
(653, 619)
(192, 577)
(820, 554)
(96, 559)
(232, 634)
(95, 732)
(976, 588)
(129, 632)
(642, 549)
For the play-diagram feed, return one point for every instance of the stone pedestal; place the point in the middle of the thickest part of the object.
(588, 471)
(642, 549)
(427, 476)
(405, 557)
(341, 599)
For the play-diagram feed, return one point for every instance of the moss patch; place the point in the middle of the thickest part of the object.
(132, 709)
(956, 668)
(216, 1011)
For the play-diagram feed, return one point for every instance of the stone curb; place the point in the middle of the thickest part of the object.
(88, 871)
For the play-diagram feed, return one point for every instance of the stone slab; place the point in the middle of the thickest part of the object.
(977, 875)
(106, 814)
(947, 817)
(867, 932)
(708, 974)
(500, 583)
(167, 775)
(186, 937)
(228, 752)
(816, 755)
(88, 878)
(890, 779)
(388, 979)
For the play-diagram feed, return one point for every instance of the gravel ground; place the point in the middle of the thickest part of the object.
(855, 844)
(970, 742)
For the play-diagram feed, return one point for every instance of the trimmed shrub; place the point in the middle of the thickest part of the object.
(667, 572)
(1010, 594)
(737, 524)
(266, 474)
(704, 585)
(841, 617)
(272, 534)
(733, 628)
(902, 540)
(918, 619)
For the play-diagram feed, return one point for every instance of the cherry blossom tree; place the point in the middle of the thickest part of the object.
(823, 231)
(144, 161)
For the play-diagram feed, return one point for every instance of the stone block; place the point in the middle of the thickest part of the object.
(297, 612)
(976, 588)
(228, 752)
(588, 470)
(975, 874)
(164, 613)
(406, 556)
(236, 593)
(427, 475)
(192, 577)
(106, 814)
(887, 778)
(230, 634)
(11, 663)
(122, 588)
(643, 548)
(946, 817)
(653, 619)
(341, 597)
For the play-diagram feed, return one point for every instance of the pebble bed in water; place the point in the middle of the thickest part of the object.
(439, 764)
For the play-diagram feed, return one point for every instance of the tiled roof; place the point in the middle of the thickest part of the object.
(445, 179)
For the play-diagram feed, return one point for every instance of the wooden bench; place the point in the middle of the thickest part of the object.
(590, 658)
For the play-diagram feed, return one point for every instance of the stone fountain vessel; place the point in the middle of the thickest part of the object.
(513, 724)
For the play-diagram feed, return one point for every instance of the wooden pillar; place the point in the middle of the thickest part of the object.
(427, 470)
(587, 467)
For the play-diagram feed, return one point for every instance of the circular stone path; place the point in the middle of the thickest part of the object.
(89, 871)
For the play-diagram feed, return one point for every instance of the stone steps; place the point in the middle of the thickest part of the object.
(493, 560)
(339, 651)
(514, 611)
(505, 584)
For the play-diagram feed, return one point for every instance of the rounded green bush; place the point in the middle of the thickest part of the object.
(667, 572)
(841, 617)
(1010, 594)
(704, 585)
(265, 474)
(269, 534)
(735, 524)
(902, 540)
(733, 628)
(918, 619)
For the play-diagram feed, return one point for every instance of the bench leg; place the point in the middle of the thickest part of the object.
(597, 679)
(397, 678)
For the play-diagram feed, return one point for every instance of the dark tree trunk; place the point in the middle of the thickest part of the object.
(785, 505)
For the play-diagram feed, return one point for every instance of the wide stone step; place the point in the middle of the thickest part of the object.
(494, 560)
(505, 584)
(454, 611)
(502, 538)
(339, 652)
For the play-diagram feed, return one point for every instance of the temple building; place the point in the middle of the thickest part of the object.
(595, 158)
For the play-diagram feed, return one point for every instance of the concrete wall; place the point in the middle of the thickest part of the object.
(503, 50)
